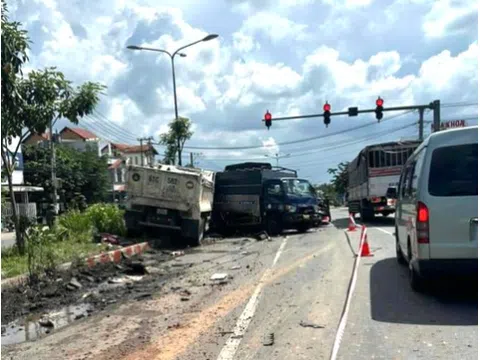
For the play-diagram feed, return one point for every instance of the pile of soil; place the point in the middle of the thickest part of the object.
(81, 285)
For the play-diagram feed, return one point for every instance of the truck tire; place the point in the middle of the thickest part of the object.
(366, 214)
(197, 241)
(303, 228)
(273, 226)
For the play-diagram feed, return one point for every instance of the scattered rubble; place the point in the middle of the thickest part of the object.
(46, 322)
(262, 236)
(235, 267)
(269, 339)
(219, 277)
(311, 325)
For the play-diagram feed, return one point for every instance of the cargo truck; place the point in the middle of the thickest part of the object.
(373, 177)
(259, 195)
(169, 197)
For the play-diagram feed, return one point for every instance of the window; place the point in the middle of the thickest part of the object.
(274, 189)
(119, 175)
(418, 161)
(454, 171)
(406, 177)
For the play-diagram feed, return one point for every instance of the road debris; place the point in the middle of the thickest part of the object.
(235, 267)
(269, 339)
(46, 322)
(74, 284)
(177, 253)
(219, 277)
(184, 299)
(311, 325)
(262, 236)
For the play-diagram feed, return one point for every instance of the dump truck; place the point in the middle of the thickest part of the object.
(373, 176)
(169, 197)
(257, 194)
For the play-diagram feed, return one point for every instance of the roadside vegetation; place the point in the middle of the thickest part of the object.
(70, 239)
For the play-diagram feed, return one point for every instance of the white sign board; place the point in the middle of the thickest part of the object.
(444, 125)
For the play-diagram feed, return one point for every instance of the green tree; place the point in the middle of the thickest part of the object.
(31, 104)
(340, 177)
(174, 140)
(81, 172)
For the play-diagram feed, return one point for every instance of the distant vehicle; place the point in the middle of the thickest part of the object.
(257, 194)
(373, 174)
(436, 219)
(169, 197)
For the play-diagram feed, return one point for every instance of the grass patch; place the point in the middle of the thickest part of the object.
(70, 239)
(14, 264)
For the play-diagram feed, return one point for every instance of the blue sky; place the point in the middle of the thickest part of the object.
(287, 56)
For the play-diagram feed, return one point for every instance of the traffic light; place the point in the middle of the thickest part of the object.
(326, 114)
(268, 119)
(379, 109)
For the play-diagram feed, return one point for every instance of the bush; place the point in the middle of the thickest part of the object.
(74, 226)
(107, 218)
(40, 257)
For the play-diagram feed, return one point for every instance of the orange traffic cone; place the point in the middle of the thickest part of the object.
(365, 248)
(351, 224)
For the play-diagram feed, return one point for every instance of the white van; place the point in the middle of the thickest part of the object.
(436, 217)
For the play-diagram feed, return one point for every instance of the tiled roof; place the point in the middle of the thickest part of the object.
(83, 133)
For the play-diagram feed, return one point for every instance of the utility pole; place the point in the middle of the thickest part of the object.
(141, 150)
(436, 115)
(53, 170)
(277, 157)
(192, 158)
(421, 111)
(149, 144)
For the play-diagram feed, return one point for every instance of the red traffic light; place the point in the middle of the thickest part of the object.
(379, 101)
(267, 116)
(326, 107)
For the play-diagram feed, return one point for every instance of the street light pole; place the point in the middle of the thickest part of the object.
(278, 157)
(172, 59)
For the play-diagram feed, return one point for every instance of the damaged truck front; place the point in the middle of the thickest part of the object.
(169, 197)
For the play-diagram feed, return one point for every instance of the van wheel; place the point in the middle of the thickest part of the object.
(400, 258)
(416, 282)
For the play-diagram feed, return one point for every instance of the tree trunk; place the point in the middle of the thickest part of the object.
(19, 239)
(179, 152)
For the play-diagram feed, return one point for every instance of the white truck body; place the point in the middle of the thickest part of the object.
(375, 169)
(171, 197)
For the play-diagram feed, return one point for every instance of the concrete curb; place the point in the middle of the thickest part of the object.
(103, 258)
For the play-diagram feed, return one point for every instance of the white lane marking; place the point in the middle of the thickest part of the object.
(343, 320)
(231, 346)
(383, 230)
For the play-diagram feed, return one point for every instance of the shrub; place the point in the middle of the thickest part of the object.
(107, 218)
(40, 257)
(74, 226)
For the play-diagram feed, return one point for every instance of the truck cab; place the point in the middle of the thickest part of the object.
(257, 194)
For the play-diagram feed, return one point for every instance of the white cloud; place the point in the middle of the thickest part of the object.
(444, 15)
(226, 85)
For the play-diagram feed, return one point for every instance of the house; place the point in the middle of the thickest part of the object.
(132, 154)
(122, 155)
(79, 139)
(21, 191)
(35, 139)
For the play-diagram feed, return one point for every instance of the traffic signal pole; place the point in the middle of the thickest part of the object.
(434, 106)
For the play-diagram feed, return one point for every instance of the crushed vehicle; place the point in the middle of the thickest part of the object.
(169, 197)
(257, 194)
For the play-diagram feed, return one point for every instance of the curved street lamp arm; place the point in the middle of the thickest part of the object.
(156, 50)
(186, 46)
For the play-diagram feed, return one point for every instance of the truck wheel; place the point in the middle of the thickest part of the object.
(303, 228)
(197, 241)
(273, 226)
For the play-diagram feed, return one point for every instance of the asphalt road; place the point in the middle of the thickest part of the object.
(293, 287)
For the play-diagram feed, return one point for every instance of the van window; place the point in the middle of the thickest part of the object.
(405, 180)
(416, 173)
(454, 171)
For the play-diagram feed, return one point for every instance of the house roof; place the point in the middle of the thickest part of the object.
(83, 133)
(130, 149)
(45, 136)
